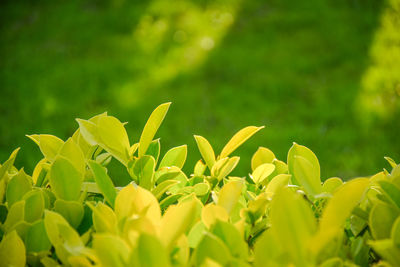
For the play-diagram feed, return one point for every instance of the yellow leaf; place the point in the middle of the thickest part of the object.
(262, 172)
(238, 139)
(12, 251)
(229, 195)
(262, 155)
(206, 150)
(211, 213)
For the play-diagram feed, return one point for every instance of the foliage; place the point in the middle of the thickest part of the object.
(296, 66)
(69, 213)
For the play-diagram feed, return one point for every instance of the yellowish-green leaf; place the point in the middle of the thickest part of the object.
(103, 181)
(150, 252)
(238, 139)
(337, 210)
(72, 211)
(133, 201)
(293, 225)
(36, 238)
(213, 248)
(74, 154)
(144, 171)
(206, 150)
(226, 168)
(111, 250)
(395, 233)
(17, 187)
(89, 131)
(151, 127)
(211, 213)
(262, 155)
(161, 188)
(49, 145)
(176, 221)
(114, 138)
(229, 194)
(12, 251)
(277, 182)
(34, 205)
(65, 179)
(228, 233)
(307, 175)
(302, 151)
(174, 157)
(331, 184)
(381, 218)
(199, 168)
(262, 172)
(104, 219)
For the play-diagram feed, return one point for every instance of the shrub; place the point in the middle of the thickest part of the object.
(70, 213)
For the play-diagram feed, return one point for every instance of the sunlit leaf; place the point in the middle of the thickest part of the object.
(174, 157)
(212, 247)
(262, 155)
(151, 127)
(302, 151)
(229, 195)
(49, 145)
(262, 172)
(150, 252)
(176, 221)
(206, 150)
(381, 218)
(238, 139)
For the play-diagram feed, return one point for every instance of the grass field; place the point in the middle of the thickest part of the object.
(295, 66)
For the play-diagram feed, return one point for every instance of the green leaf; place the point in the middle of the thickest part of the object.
(88, 130)
(12, 250)
(391, 191)
(262, 155)
(65, 180)
(161, 188)
(150, 252)
(199, 168)
(49, 145)
(144, 171)
(176, 221)
(174, 157)
(201, 189)
(212, 247)
(154, 149)
(36, 239)
(228, 233)
(238, 139)
(151, 127)
(381, 218)
(34, 205)
(103, 181)
(206, 151)
(72, 211)
(15, 215)
(229, 194)
(302, 151)
(17, 187)
(262, 172)
(307, 175)
(395, 233)
(7, 165)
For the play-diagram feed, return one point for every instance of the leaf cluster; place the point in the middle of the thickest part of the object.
(69, 213)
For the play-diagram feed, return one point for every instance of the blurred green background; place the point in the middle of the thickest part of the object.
(325, 74)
